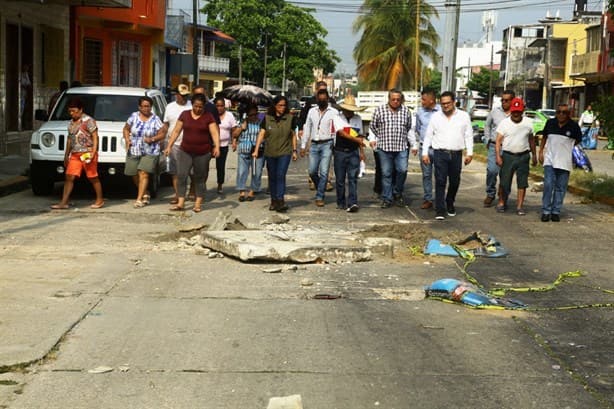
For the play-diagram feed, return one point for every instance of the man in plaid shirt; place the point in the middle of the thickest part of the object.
(391, 126)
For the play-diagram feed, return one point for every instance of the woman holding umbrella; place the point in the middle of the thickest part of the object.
(244, 141)
(277, 130)
(201, 141)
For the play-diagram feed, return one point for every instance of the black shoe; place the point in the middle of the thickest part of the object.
(399, 201)
(545, 217)
(386, 205)
(555, 217)
(282, 207)
(440, 216)
(352, 209)
(451, 210)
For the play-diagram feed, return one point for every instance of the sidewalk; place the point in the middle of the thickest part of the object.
(13, 171)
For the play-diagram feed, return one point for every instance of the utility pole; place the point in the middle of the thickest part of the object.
(452, 10)
(417, 56)
(283, 79)
(195, 44)
(240, 64)
(266, 40)
(490, 98)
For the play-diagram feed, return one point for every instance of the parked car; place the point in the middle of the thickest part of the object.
(539, 122)
(304, 99)
(549, 112)
(479, 111)
(294, 106)
(110, 107)
(478, 130)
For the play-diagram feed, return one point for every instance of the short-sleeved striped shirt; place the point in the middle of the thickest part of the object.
(391, 128)
(139, 130)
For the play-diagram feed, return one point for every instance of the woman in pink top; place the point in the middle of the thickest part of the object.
(227, 123)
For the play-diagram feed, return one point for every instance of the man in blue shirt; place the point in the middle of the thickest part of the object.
(423, 117)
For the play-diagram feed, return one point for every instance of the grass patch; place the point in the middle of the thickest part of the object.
(598, 184)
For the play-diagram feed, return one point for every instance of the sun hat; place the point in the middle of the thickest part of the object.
(349, 104)
(182, 89)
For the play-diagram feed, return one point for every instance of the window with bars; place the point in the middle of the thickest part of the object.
(127, 63)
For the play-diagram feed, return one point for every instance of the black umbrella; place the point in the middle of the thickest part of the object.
(249, 94)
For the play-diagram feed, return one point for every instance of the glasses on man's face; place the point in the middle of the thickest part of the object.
(506, 100)
(447, 103)
(562, 111)
(395, 99)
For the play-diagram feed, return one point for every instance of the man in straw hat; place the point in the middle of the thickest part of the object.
(171, 114)
(347, 153)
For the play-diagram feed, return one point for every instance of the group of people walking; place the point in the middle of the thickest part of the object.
(197, 130)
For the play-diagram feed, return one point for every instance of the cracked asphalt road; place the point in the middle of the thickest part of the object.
(82, 289)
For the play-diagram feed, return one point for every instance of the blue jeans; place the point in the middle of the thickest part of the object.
(245, 164)
(555, 187)
(277, 168)
(448, 166)
(319, 163)
(393, 162)
(427, 177)
(492, 171)
(347, 164)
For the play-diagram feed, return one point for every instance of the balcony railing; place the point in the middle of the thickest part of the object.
(213, 64)
(585, 63)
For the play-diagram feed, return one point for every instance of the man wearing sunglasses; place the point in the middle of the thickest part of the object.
(494, 118)
(560, 135)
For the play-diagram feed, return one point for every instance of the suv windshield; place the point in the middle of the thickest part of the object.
(100, 107)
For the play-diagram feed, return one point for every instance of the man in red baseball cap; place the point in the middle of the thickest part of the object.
(515, 147)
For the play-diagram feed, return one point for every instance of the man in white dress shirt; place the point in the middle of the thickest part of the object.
(448, 133)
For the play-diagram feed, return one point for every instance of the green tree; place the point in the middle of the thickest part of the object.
(269, 24)
(386, 52)
(434, 80)
(481, 81)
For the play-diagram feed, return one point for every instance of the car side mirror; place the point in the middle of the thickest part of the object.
(41, 115)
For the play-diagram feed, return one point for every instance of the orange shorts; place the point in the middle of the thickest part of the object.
(76, 166)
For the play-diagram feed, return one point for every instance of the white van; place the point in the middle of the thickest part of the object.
(110, 107)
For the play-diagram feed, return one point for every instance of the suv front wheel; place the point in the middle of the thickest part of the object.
(41, 178)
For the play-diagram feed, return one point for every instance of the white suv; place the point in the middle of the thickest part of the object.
(110, 107)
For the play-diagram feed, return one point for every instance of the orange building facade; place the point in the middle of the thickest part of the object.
(111, 46)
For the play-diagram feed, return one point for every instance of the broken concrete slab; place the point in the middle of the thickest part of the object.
(304, 246)
(226, 221)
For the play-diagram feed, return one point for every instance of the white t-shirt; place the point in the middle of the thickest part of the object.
(173, 110)
(515, 135)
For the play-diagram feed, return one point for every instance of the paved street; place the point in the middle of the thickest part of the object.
(123, 292)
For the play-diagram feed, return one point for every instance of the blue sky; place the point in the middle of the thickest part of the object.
(337, 17)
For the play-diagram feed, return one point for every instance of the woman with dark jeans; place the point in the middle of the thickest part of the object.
(227, 124)
(277, 131)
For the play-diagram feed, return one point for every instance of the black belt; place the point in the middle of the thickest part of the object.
(516, 154)
(345, 149)
(448, 151)
(321, 141)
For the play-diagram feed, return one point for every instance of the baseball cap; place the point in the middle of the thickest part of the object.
(517, 105)
(182, 89)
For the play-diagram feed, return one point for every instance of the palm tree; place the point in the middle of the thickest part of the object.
(386, 52)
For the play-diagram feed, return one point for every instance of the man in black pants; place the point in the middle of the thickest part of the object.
(448, 133)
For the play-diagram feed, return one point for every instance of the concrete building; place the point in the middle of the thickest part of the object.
(592, 67)
(521, 66)
(35, 55)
